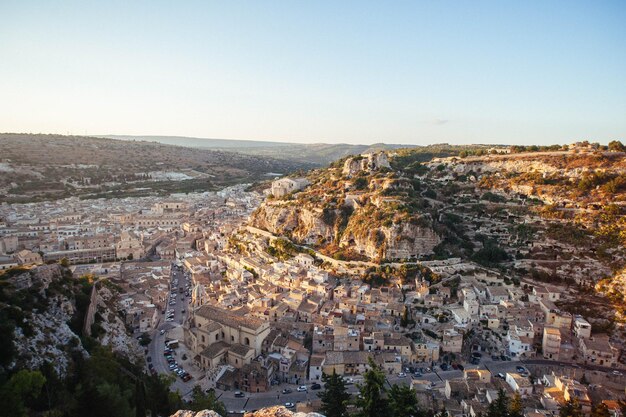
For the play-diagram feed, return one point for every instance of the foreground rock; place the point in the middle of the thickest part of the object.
(278, 411)
(203, 413)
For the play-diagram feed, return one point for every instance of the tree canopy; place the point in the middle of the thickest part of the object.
(334, 396)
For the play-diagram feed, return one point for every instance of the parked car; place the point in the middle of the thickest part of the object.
(316, 386)
(289, 405)
(401, 375)
(302, 388)
(287, 391)
(239, 394)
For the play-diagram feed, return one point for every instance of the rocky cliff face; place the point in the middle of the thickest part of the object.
(358, 210)
(549, 163)
(368, 231)
(46, 307)
(553, 177)
(43, 297)
(303, 224)
(114, 333)
(398, 241)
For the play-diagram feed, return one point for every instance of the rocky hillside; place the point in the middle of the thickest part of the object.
(554, 215)
(614, 288)
(576, 178)
(360, 208)
(42, 315)
(42, 319)
(560, 216)
(109, 328)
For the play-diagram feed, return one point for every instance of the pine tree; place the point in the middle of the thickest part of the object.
(500, 406)
(140, 399)
(206, 401)
(600, 410)
(571, 408)
(372, 402)
(516, 408)
(404, 321)
(403, 402)
(334, 397)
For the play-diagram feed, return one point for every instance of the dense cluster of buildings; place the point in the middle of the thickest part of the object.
(257, 319)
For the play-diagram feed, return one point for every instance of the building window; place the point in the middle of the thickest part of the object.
(247, 341)
(232, 338)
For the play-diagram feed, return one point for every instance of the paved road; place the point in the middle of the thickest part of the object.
(568, 364)
(157, 345)
(256, 401)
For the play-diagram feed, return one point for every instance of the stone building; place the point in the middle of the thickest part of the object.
(217, 335)
(129, 246)
(284, 186)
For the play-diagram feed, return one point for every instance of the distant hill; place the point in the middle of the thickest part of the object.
(40, 167)
(197, 142)
(314, 153)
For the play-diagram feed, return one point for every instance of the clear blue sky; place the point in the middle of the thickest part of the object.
(530, 72)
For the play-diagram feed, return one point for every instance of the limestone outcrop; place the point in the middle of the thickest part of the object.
(358, 210)
(276, 411)
(188, 413)
(43, 296)
(279, 411)
(367, 231)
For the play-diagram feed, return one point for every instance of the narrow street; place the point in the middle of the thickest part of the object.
(172, 330)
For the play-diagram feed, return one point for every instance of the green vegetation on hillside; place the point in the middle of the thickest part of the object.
(100, 384)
